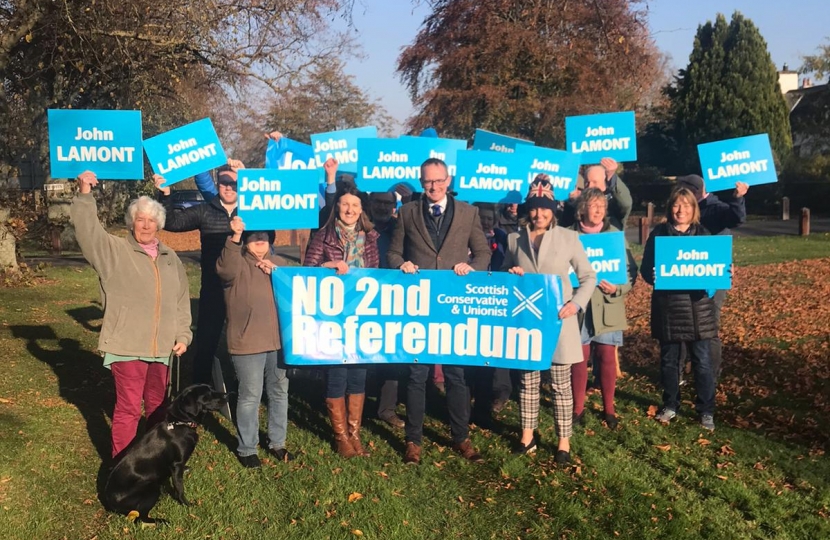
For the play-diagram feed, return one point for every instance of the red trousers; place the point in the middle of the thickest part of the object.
(136, 381)
(606, 357)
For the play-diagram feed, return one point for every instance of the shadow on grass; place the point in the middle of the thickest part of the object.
(82, 379)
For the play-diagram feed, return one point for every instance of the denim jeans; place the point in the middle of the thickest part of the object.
(704, 376)
(251, 370)
(342, 380)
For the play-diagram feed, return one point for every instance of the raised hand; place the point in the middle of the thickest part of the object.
(86, 181)
(158, 180)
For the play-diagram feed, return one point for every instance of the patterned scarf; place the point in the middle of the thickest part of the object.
(352, 241)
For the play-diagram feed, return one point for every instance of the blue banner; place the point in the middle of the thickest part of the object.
(745, 159)
(342, 146)
(185, 151)
(434, 316)
(495, 142)
(597, 136)
(606, 253)
(288, 154)
(490, 177)
(692, 262)
(107, 143)
(270, 199)
(561, 166)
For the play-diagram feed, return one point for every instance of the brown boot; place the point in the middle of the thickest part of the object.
(354, 421)
(413, 454)
(337, 414)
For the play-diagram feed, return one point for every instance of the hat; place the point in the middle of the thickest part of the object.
(226, 175)
(692, 182)
(540, 194)
(256, 236)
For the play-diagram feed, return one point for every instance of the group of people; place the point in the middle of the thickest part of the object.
(147, 304)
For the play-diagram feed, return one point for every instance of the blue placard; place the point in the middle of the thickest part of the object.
(443, 149)
(271, 199)
(496, 142)
(692, 262)
(606, 253)
(561, 166)
(342, 146)
(490, 177)
(288, 154)
(107, 143)
(745, 159)
(185, 151)
(385, 163)
(597, 136)
(386, 316)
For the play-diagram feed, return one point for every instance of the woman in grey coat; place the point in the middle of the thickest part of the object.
(541, 247)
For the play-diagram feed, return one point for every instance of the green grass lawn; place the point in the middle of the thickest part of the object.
(642, 481)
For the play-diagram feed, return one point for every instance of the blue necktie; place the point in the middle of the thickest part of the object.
(436, 210)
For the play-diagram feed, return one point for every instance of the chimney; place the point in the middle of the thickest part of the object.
(787, 80)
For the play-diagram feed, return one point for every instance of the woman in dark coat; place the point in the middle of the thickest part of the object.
(679, 317)
(347, 240)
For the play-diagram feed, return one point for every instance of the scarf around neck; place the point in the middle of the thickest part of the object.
(352, 241)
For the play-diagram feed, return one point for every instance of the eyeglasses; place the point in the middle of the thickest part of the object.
(597, 206)
(427, 183)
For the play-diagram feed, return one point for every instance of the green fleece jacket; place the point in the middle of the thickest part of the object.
(607, 311)
(146, 302)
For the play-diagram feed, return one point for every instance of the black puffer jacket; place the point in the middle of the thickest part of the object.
(214, 225)
(678, 315)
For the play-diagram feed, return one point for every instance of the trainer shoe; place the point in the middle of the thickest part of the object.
(707, 421)
(250, 462)
(666, 415)
(281, 454)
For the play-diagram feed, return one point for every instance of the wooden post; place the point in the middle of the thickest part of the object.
(804, 224)
(650, 213)
(785, 209)
(56, 240)
(644, 230)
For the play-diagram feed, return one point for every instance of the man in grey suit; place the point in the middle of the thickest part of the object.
(437, 233)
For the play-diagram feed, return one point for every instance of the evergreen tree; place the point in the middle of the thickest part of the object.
(729, 89)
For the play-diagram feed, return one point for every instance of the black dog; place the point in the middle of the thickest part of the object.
(134, 485)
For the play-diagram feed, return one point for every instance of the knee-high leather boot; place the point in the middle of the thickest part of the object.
(337, 414)
(355, 421)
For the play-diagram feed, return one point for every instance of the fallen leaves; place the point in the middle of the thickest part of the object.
(774, 328)
(355, 497)
(663, 447)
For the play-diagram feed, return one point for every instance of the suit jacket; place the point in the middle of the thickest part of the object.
(560, 249)
(411, 240)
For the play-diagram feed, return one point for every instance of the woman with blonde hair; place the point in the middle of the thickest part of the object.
(679, 317)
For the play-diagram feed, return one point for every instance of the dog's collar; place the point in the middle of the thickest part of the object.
(171, 425)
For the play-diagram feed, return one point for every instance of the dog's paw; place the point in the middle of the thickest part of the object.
(184, 502)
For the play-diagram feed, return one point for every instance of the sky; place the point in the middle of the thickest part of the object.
(792, 29)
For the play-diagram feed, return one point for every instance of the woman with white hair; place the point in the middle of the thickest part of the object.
(146, 302)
